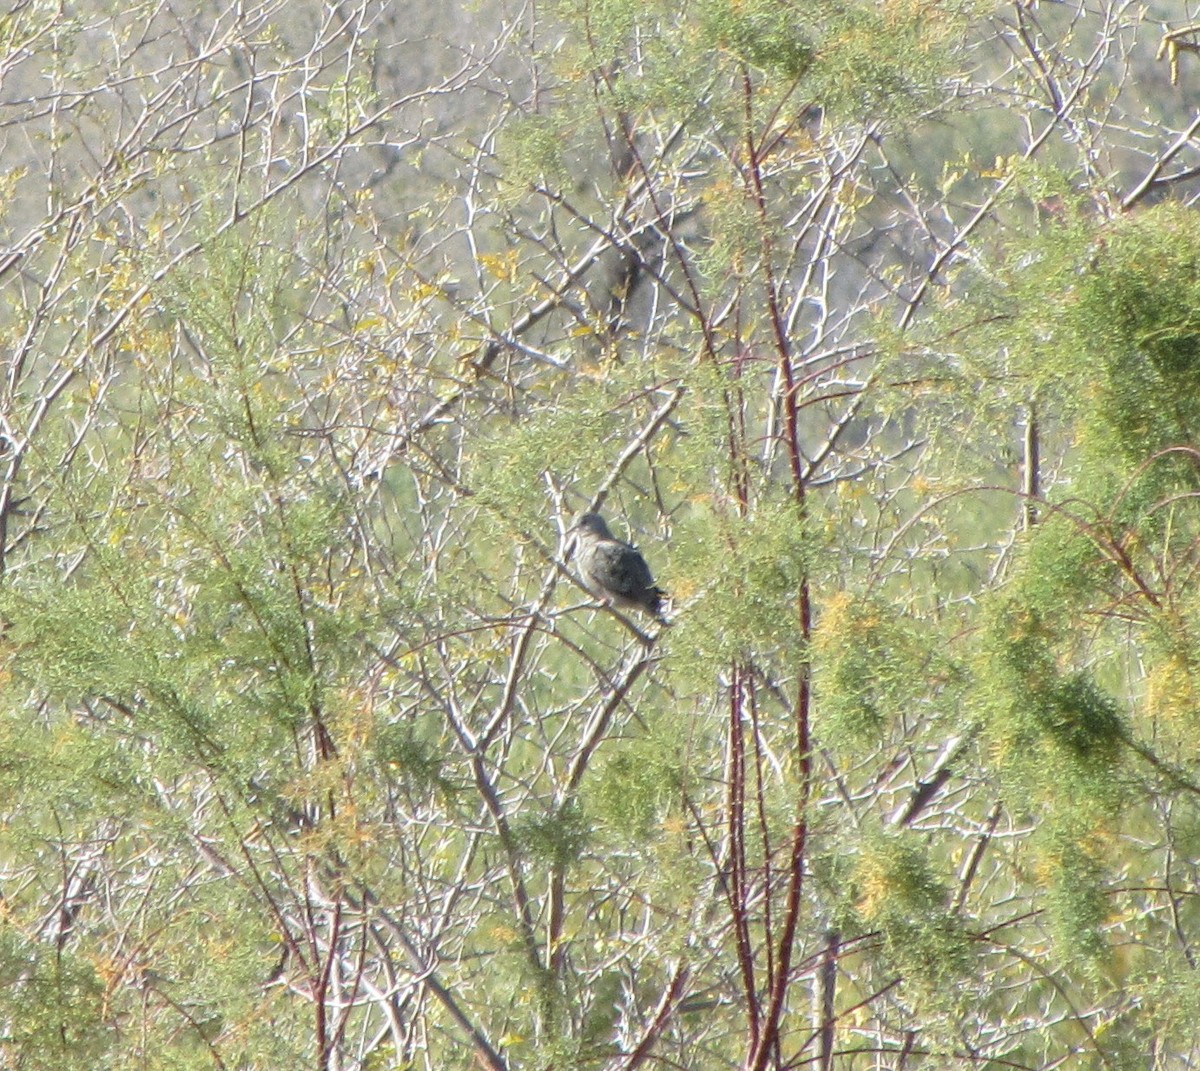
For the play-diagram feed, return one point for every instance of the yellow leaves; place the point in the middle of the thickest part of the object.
(854, 195)
(875, 892)
(836, 613)
(156, 230)
(8, 182)
(281, 362)
(1003, 167)
(1169, 690)
(852, 491)
(145, 342)
(355, 835)
(352, 720)
(362, 199)
(110, 971)
(422, 291)
(1173, 43)
(675, 825)
(66, 737)
(922, 485)
(501, 266)
(930, 20)
(683, 588)
(950, 179)
(1170, 705)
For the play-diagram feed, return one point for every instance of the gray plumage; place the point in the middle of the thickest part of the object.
(614, 570)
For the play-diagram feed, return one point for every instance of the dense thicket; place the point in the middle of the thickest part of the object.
(872, 323)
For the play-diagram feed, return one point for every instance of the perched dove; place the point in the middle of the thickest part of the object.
(614, 570)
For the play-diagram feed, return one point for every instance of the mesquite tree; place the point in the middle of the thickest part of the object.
(323, 323)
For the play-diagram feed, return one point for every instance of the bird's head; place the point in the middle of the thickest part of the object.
(592, 524)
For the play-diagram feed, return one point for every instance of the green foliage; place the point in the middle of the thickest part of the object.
(533, 153)
(557, 838)
(510, 467)
(737, 234)
(1051, 726)
(1048, 714)
(609, 23)
(899, 893)
(1095, 318)
(1080, 718)
(869, 667)
(418, 758)
(744, 576)
(53, 1006)
(1136, 312)
(885, 59)
(636, 786)
(1072, 864)
(305, 732)
(1062, 569)
(762, 33)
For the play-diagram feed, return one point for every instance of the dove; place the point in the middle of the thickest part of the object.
(615, 571)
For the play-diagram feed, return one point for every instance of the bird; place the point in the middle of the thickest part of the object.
(615, 571)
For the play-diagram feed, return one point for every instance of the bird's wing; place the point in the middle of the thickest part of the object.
(621, 569)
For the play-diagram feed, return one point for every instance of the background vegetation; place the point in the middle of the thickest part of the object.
(875, 324)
